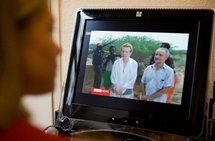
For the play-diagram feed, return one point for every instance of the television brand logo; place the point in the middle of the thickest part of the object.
(139, 14)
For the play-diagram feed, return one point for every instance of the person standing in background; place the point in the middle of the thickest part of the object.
(98, 56)
(108, 65)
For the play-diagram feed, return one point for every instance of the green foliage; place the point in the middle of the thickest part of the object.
(143, 48)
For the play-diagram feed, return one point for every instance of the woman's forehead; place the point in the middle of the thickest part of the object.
(126, 48)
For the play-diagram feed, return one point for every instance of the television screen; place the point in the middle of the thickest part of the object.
(144, 46)
(144, 68)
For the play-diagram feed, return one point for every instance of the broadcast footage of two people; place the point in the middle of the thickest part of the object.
(123, 76)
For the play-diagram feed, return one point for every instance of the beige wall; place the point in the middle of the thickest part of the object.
(69, 7)
(64, 13)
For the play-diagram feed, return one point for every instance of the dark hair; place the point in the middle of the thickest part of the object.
(165, 45)
(111, 47)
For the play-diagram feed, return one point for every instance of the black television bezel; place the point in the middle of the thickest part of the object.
(186, 119)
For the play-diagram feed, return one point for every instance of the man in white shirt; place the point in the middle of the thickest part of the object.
(124, 73)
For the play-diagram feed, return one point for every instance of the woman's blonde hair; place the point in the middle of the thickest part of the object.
(128, 45)
(11, 12)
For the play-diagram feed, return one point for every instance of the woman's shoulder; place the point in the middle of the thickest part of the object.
(118, 61)
(24, 131)
(133, 61)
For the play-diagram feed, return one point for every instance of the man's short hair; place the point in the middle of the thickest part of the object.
(163, 49)
(111, 48)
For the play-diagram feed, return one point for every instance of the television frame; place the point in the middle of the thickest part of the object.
(187, 119)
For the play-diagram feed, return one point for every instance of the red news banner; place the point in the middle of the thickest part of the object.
(101, 92)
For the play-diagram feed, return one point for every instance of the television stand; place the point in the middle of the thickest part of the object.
(97, 130)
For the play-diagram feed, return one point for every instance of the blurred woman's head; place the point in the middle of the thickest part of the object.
(126, 51)
(38, 51)
(28, 54)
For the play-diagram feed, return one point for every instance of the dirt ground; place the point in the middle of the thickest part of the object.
(176, 97)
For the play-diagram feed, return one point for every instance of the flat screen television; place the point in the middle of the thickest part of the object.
(89, 90)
